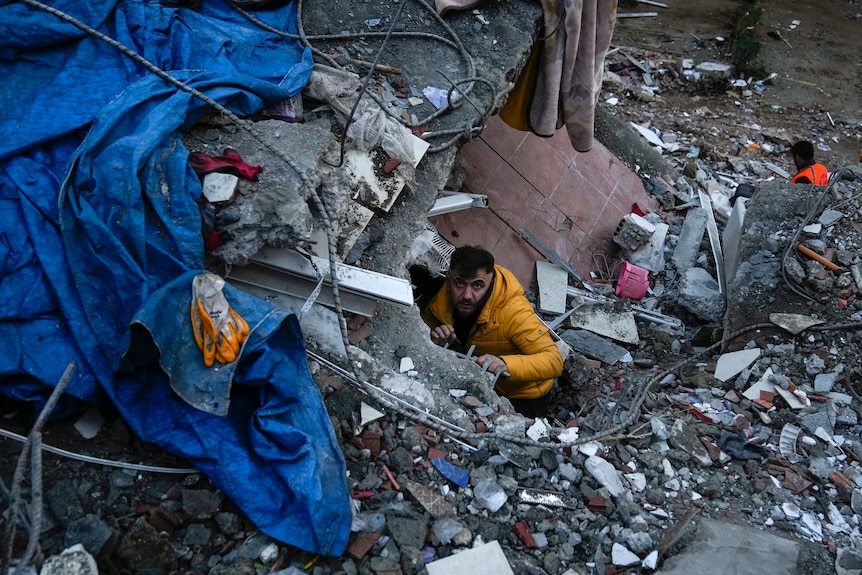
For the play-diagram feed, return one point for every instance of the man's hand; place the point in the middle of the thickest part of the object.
(443, 335)
(492, 364)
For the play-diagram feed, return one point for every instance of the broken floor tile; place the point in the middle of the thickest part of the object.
(485, 559)
(430, 500)
(731, 364)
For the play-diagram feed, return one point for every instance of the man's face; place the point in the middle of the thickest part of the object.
(798, 161)
(469, 294)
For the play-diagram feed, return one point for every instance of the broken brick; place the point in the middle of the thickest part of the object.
(522, 532)
(357, 335)
(599, 504)
(390, 166)
(841, 480)
(434, 453)
(363, 545)
(795, 482)
(371, 442)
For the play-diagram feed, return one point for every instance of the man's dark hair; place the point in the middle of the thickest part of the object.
(467, 259)
(803, 149)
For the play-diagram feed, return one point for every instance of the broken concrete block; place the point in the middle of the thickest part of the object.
(594, 346)
(552, 281)
(603, 472)
(622, 557)
(682, 437)
(633, 232)
(688, 242)
(699, 293)
(722, 547)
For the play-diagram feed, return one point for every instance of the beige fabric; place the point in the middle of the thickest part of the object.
(577, 36)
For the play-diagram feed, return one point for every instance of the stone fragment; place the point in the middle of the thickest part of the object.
(622, 557)
(603, 472)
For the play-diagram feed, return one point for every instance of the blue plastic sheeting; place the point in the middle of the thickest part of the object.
(100, 231)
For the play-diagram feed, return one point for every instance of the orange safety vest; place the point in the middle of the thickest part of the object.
(816, 173)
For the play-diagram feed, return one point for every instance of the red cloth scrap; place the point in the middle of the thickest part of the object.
(229, 163)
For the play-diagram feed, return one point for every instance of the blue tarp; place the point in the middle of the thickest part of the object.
(100, 239)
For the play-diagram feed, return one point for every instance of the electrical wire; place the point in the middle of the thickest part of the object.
(100, 461)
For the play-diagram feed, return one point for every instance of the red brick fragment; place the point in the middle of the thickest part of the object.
(363, 545)
(390, 166)
(371, 442)
(434, 453)
(599, 504)
(522, 532)
(842, 480)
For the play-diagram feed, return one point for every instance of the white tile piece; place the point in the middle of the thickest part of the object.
(485, 559)
(731, 364)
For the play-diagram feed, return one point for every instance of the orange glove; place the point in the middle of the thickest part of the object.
(219, 331)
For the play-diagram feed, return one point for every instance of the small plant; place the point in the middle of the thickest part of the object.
(744, 45)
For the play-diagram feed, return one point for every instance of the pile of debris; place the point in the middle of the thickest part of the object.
(710, 416)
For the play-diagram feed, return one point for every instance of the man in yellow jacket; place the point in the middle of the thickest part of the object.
(483, 304)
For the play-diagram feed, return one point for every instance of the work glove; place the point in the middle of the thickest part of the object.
(219, 331)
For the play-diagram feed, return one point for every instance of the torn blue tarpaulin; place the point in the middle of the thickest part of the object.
(100, 230)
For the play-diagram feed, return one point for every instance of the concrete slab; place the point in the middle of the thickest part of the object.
(595, 346)
(552, 281)
(604, 320)
(720, 547)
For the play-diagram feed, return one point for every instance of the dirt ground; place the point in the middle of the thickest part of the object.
(817, 88)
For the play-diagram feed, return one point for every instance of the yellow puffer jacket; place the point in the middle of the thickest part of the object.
(508, 328)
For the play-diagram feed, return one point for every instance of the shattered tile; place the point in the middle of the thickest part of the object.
(430, 500)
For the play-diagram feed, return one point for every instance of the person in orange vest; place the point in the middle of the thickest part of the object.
(808, 170)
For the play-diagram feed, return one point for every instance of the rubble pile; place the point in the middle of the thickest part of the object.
(724, 421)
